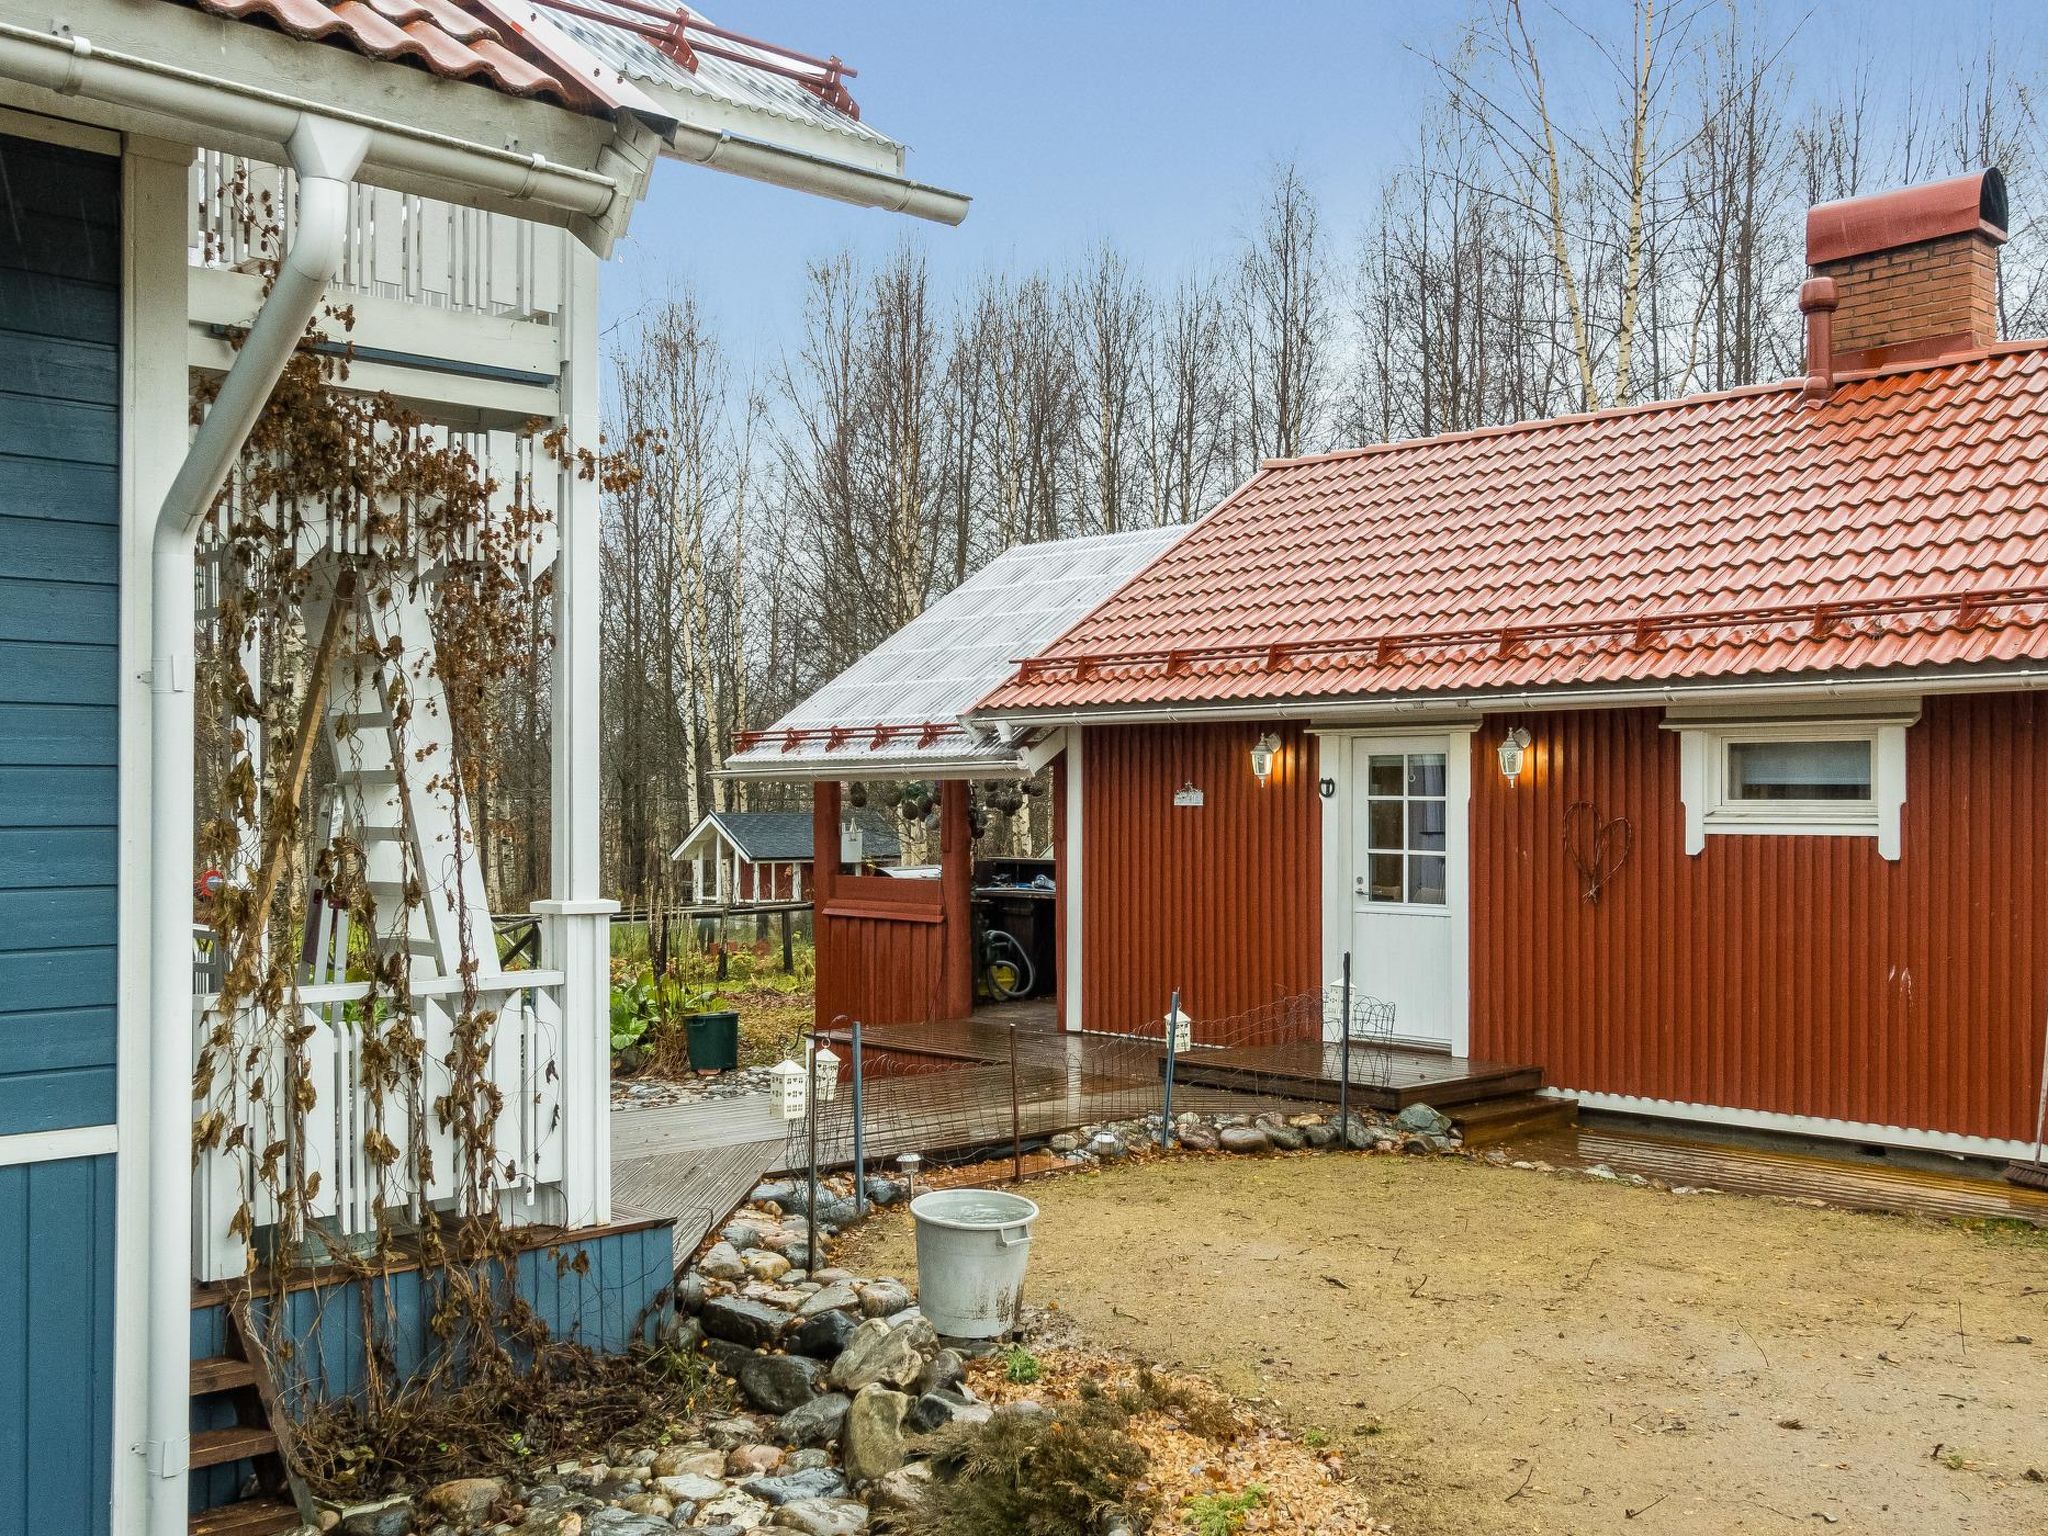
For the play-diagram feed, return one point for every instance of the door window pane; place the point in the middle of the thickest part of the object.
(1407, 828)
(1426, 773)
(1426, 878)
(1426, 825)
(1384, 824)
(1799, 770)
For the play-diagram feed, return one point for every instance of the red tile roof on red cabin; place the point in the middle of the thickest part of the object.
(438, 36)
(1902, 522)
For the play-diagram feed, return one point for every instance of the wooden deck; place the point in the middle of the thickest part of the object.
(1382, 1077)
(693, 1164)
(947, 1089)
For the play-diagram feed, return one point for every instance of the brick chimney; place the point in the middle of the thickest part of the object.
(1915, 274)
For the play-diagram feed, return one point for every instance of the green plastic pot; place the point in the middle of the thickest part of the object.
(714, 1041)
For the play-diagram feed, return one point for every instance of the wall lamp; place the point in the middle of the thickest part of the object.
(1264, 750)
(1514, 752)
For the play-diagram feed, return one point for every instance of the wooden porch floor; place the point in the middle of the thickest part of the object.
(1382, 1077)
(945, 1088)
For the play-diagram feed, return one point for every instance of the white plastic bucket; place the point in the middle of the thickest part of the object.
(972, 1247)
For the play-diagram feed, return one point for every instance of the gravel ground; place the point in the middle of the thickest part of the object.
(1504, 1351)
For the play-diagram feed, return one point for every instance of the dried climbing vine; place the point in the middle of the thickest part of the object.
(344, 505)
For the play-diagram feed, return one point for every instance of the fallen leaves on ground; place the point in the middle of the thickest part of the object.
(1200, 1443)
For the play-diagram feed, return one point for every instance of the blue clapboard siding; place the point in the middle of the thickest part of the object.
(56, 1346)
(616, 1300)
(60, 572)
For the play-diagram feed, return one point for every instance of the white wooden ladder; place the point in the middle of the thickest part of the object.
(387, 721)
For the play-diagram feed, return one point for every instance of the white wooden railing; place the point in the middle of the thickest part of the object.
(334, 1138)
(399, 246)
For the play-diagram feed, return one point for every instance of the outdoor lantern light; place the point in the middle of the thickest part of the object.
(1514, 751)
(789, 1088)
(1263, 752)
(1182, 1028)
(825, 1068)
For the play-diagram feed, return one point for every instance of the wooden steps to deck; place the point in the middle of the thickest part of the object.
(237, 1442)
(251, 1517)
(1492, 1121)
(238, 1382)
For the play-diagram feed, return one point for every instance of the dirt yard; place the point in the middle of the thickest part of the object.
(1497, 1350)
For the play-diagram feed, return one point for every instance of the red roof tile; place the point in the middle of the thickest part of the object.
(439, 36)
(1903, 522)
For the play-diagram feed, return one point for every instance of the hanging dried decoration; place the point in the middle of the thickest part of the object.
(1598, 849)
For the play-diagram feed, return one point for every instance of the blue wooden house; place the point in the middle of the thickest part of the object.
(455, 174)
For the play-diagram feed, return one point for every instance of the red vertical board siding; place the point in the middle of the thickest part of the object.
(882, 951)
(893, 951)
(1800, 975)
(1223, 900)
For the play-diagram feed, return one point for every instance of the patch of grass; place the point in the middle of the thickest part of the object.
(2006, 1231)
(1222, 1514)
(1036, 1474)
(1020, 1366)
(1315, 1439)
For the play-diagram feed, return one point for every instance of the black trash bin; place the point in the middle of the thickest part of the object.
(714, 1041)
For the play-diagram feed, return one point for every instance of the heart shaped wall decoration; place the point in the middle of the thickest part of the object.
(1598, 849)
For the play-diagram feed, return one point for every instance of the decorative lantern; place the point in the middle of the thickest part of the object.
(825, 1073)
(908, 1165)
(789, 1088)
(1182, 1029)
(1264, 750)
(1514, 751)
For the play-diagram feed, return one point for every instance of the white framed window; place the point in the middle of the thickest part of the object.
(1813, 776)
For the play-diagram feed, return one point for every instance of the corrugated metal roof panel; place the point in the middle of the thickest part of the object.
(898, 710)
(1690, 540)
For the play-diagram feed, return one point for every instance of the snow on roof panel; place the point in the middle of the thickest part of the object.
(899, 709)
(729, 94)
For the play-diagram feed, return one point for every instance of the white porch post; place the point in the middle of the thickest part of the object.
(576, 921)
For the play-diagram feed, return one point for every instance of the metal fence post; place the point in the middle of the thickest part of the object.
(1344, 1055)
(1016, 1121)
(1172, 1057)
(811, 1150)
(860, 1156)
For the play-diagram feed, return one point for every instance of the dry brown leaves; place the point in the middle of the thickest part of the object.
(1303, 1489)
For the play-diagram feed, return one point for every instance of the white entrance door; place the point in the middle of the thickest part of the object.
(1407, 863)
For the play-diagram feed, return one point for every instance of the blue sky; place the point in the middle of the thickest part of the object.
(1147, 121)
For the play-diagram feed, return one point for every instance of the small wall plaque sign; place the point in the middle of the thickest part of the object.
(1187, 794)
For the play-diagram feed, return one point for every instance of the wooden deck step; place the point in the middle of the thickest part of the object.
(1496, 1120)
(221, 1373)
(237, 1442)
(1473, 1087)
(251, 1517)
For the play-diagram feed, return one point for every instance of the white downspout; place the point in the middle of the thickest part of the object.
(325, 154)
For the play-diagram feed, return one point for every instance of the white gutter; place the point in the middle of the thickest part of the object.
(73, 66)
(758, 160)
(325, 154)
(1326, 709)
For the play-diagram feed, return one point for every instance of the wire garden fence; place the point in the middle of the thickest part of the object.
(993, 1086)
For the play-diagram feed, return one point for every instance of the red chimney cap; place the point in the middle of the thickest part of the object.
(1861, 226)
